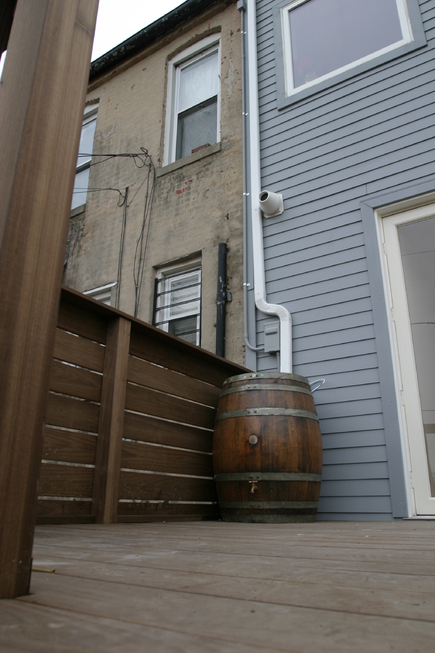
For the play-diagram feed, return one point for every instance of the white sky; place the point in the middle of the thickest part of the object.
(119, 19)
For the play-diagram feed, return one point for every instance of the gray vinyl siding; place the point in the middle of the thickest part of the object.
(371, 134)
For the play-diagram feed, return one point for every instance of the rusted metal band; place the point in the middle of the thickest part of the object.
(266, 386)
(267, 412)
(268, 505)
(268, 476)
(266, 375)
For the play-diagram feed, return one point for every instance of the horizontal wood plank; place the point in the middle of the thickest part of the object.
(136, 455)
(81, 319)
(65, 481)
(137, 512)
(69, 446)
(143, 487)
(180, 385)
(78, 351)
(56, 509)
(72, 413)
(189, 360)
(159, 404)
(150, 429)
(75, 381)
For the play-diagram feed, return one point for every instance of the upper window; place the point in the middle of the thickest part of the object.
(177, 305)
(193, 100)
(326, 38)
(81, 182)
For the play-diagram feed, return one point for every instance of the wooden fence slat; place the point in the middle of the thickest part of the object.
(78, 351)
(134, 485)
(158, 404)
(58, 511)
(187, 359)
(151, 512)
(160, 459)
(72, 413)
(66, 481)
(69, 446)
(81, 321)
(75, 381)
(159, 378)
(172, 434)
(110, 428)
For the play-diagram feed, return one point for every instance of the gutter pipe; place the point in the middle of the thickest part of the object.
(285, 342)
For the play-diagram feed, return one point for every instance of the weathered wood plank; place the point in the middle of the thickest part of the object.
(69, 446)
(172, 434)
(80, 320)
(111, 422)
(72, 413)
(53, 511)
(78, 351)
(144, 487)
(66, 481)
(158, 404)
(75, 381)
(186, 359)
(253, 622)
(136, 455)
(159, 378)
(41, 101)
(136, 512)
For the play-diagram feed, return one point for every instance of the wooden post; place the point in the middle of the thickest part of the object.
(41, 103)
(111, 424)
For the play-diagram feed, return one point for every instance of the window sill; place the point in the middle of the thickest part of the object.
(197, 156)
(77, 210)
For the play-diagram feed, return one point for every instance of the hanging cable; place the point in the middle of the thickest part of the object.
(142, 241)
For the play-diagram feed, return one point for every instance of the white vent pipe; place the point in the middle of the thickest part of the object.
(255, 189)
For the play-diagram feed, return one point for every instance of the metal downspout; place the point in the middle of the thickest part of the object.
(254, 185)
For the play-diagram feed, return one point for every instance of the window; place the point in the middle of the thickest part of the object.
(85, 155)
(324, 39)
(102, 293)
(193, 100)
(177, 304)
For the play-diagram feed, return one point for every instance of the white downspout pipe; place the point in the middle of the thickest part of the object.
(255, 189)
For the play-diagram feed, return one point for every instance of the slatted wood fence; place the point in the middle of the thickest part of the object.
(129, 422)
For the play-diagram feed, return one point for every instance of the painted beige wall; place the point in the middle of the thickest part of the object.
(197, 201)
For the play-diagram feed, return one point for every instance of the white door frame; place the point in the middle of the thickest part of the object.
(408, 398)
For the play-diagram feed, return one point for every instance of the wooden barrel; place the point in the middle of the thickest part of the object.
(267, 449)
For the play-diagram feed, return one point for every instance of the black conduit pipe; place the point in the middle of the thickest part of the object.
(221, 299)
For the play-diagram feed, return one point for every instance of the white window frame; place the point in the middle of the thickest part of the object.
(102, 293)
(196, 51)
(90, 115)
(290, 89)
(163, 310)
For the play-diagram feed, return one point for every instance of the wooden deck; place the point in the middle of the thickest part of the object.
(222, 587)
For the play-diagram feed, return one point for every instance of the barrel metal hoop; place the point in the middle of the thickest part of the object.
(269, 505)
(268, 386)
(259, 412)
(266, 375)
(268, 476)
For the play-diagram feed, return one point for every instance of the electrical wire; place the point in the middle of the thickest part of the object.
(142, 241)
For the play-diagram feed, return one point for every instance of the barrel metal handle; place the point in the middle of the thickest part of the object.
(320, 382)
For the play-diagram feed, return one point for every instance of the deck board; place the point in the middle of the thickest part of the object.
(211, 586)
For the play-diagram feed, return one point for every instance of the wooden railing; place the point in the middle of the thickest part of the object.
(129, 422)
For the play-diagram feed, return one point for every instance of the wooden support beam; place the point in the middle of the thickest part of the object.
(41, 102)
(111, 423)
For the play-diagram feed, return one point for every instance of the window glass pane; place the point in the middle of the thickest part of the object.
(80, 188)
(196, 127)
(185, 328)
(184, 295)
(198, 81)
(329, 34)
(86, 142)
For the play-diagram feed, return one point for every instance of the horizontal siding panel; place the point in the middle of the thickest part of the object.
(359, 471)
(366, 488)
(362, 423)
(355, 455)
(349, 440)
(356, 504)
